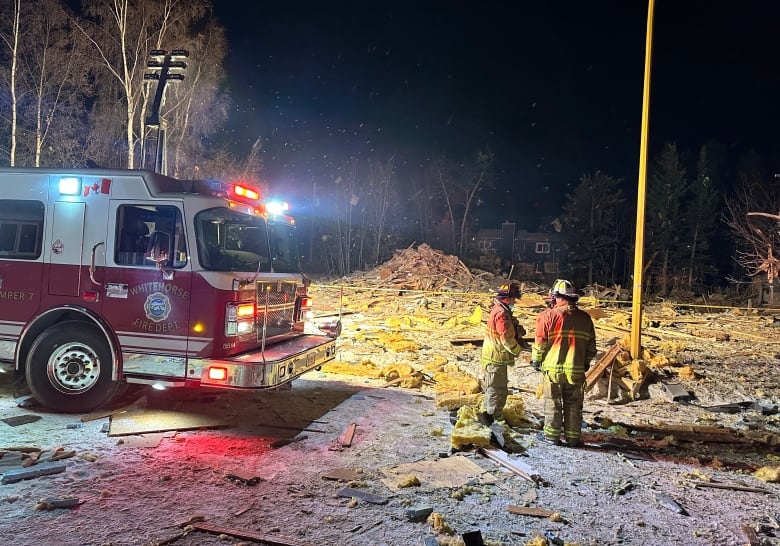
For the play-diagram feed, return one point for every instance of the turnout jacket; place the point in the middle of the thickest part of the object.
(564, 341)
(502, 336)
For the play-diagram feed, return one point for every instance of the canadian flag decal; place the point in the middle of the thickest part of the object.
(103, 187)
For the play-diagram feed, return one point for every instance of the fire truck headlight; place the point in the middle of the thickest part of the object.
(276, 207)
(239, 318)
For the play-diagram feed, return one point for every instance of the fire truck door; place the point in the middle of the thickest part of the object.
(66, 249)
(147, 286)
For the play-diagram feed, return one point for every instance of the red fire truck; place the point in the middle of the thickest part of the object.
(109, 277)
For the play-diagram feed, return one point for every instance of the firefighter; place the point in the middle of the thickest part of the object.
(564, 345)
(549, 301)
(502, 344)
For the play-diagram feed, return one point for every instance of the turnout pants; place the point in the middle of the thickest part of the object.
(562, 407)
(496, 388)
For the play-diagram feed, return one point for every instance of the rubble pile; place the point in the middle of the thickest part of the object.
(423, 268)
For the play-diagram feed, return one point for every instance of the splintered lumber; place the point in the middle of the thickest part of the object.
(248, 535)
(751, 535)
(345, 440)
(105, 413)
(42, 469)
(595, 372)
(467, 340)
(362, 495)
(423, 268)
(518, 467)
(529, 511)
(481, 340)
(732, 486)
(709, 434)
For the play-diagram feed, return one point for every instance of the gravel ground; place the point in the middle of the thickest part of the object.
(267, 472)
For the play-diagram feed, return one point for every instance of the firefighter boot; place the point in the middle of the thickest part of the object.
(485, 418)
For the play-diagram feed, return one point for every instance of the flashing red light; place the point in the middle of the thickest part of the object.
(248, 193)
(217, 374)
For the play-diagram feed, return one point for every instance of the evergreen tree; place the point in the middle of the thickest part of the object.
(591, 231)
(701, 219)
(666, 190)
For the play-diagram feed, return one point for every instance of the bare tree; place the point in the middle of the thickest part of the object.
(381, 178)
(479, 178)
(55, 71)
(119, 32)
(122, 33)
(444, 172)
(756, 232)
(197, 107)
(10, 37)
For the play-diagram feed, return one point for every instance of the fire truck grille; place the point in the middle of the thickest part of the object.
(275, 308)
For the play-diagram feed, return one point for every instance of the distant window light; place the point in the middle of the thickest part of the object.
(542, 248)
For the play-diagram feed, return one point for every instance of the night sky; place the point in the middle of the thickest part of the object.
(553, 88)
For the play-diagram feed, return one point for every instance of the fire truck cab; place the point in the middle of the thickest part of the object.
(109, 277)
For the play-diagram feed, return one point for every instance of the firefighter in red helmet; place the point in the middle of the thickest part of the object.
(502, 344)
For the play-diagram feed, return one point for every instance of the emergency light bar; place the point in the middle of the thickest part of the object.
(245, 192)
(233, 191)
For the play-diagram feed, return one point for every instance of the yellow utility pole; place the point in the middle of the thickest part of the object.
(636, 293)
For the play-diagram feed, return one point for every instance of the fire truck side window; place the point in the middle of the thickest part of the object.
(141, 226)
(21, 229)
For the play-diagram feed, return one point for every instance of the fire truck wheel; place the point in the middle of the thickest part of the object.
(69, 368)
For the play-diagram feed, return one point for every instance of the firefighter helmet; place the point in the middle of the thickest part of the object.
(565, 289)
(511, 290)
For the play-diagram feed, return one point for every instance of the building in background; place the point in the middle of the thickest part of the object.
(528, 256)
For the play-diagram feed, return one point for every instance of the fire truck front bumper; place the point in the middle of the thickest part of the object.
(276, 365)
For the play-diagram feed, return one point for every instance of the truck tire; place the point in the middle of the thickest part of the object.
(69, 368)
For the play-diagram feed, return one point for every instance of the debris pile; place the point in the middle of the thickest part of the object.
(424, 268)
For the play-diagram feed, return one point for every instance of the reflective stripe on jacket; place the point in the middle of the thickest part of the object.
(565, 341)
(502, 336)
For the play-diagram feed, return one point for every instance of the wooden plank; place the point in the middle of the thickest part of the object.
(732, 486)
(142, 421)
(347, 436)
(751, 535)
(530, 511)
(42, 469)
(106, 413)
(362, 495)
(17, 420)
(595, 372)
(248, 535)
(480, 340)
(518, 467)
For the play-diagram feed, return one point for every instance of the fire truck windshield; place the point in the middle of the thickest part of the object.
(231, 241)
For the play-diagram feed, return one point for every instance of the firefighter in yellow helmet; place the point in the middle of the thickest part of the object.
(502, 344)
(564, 344)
